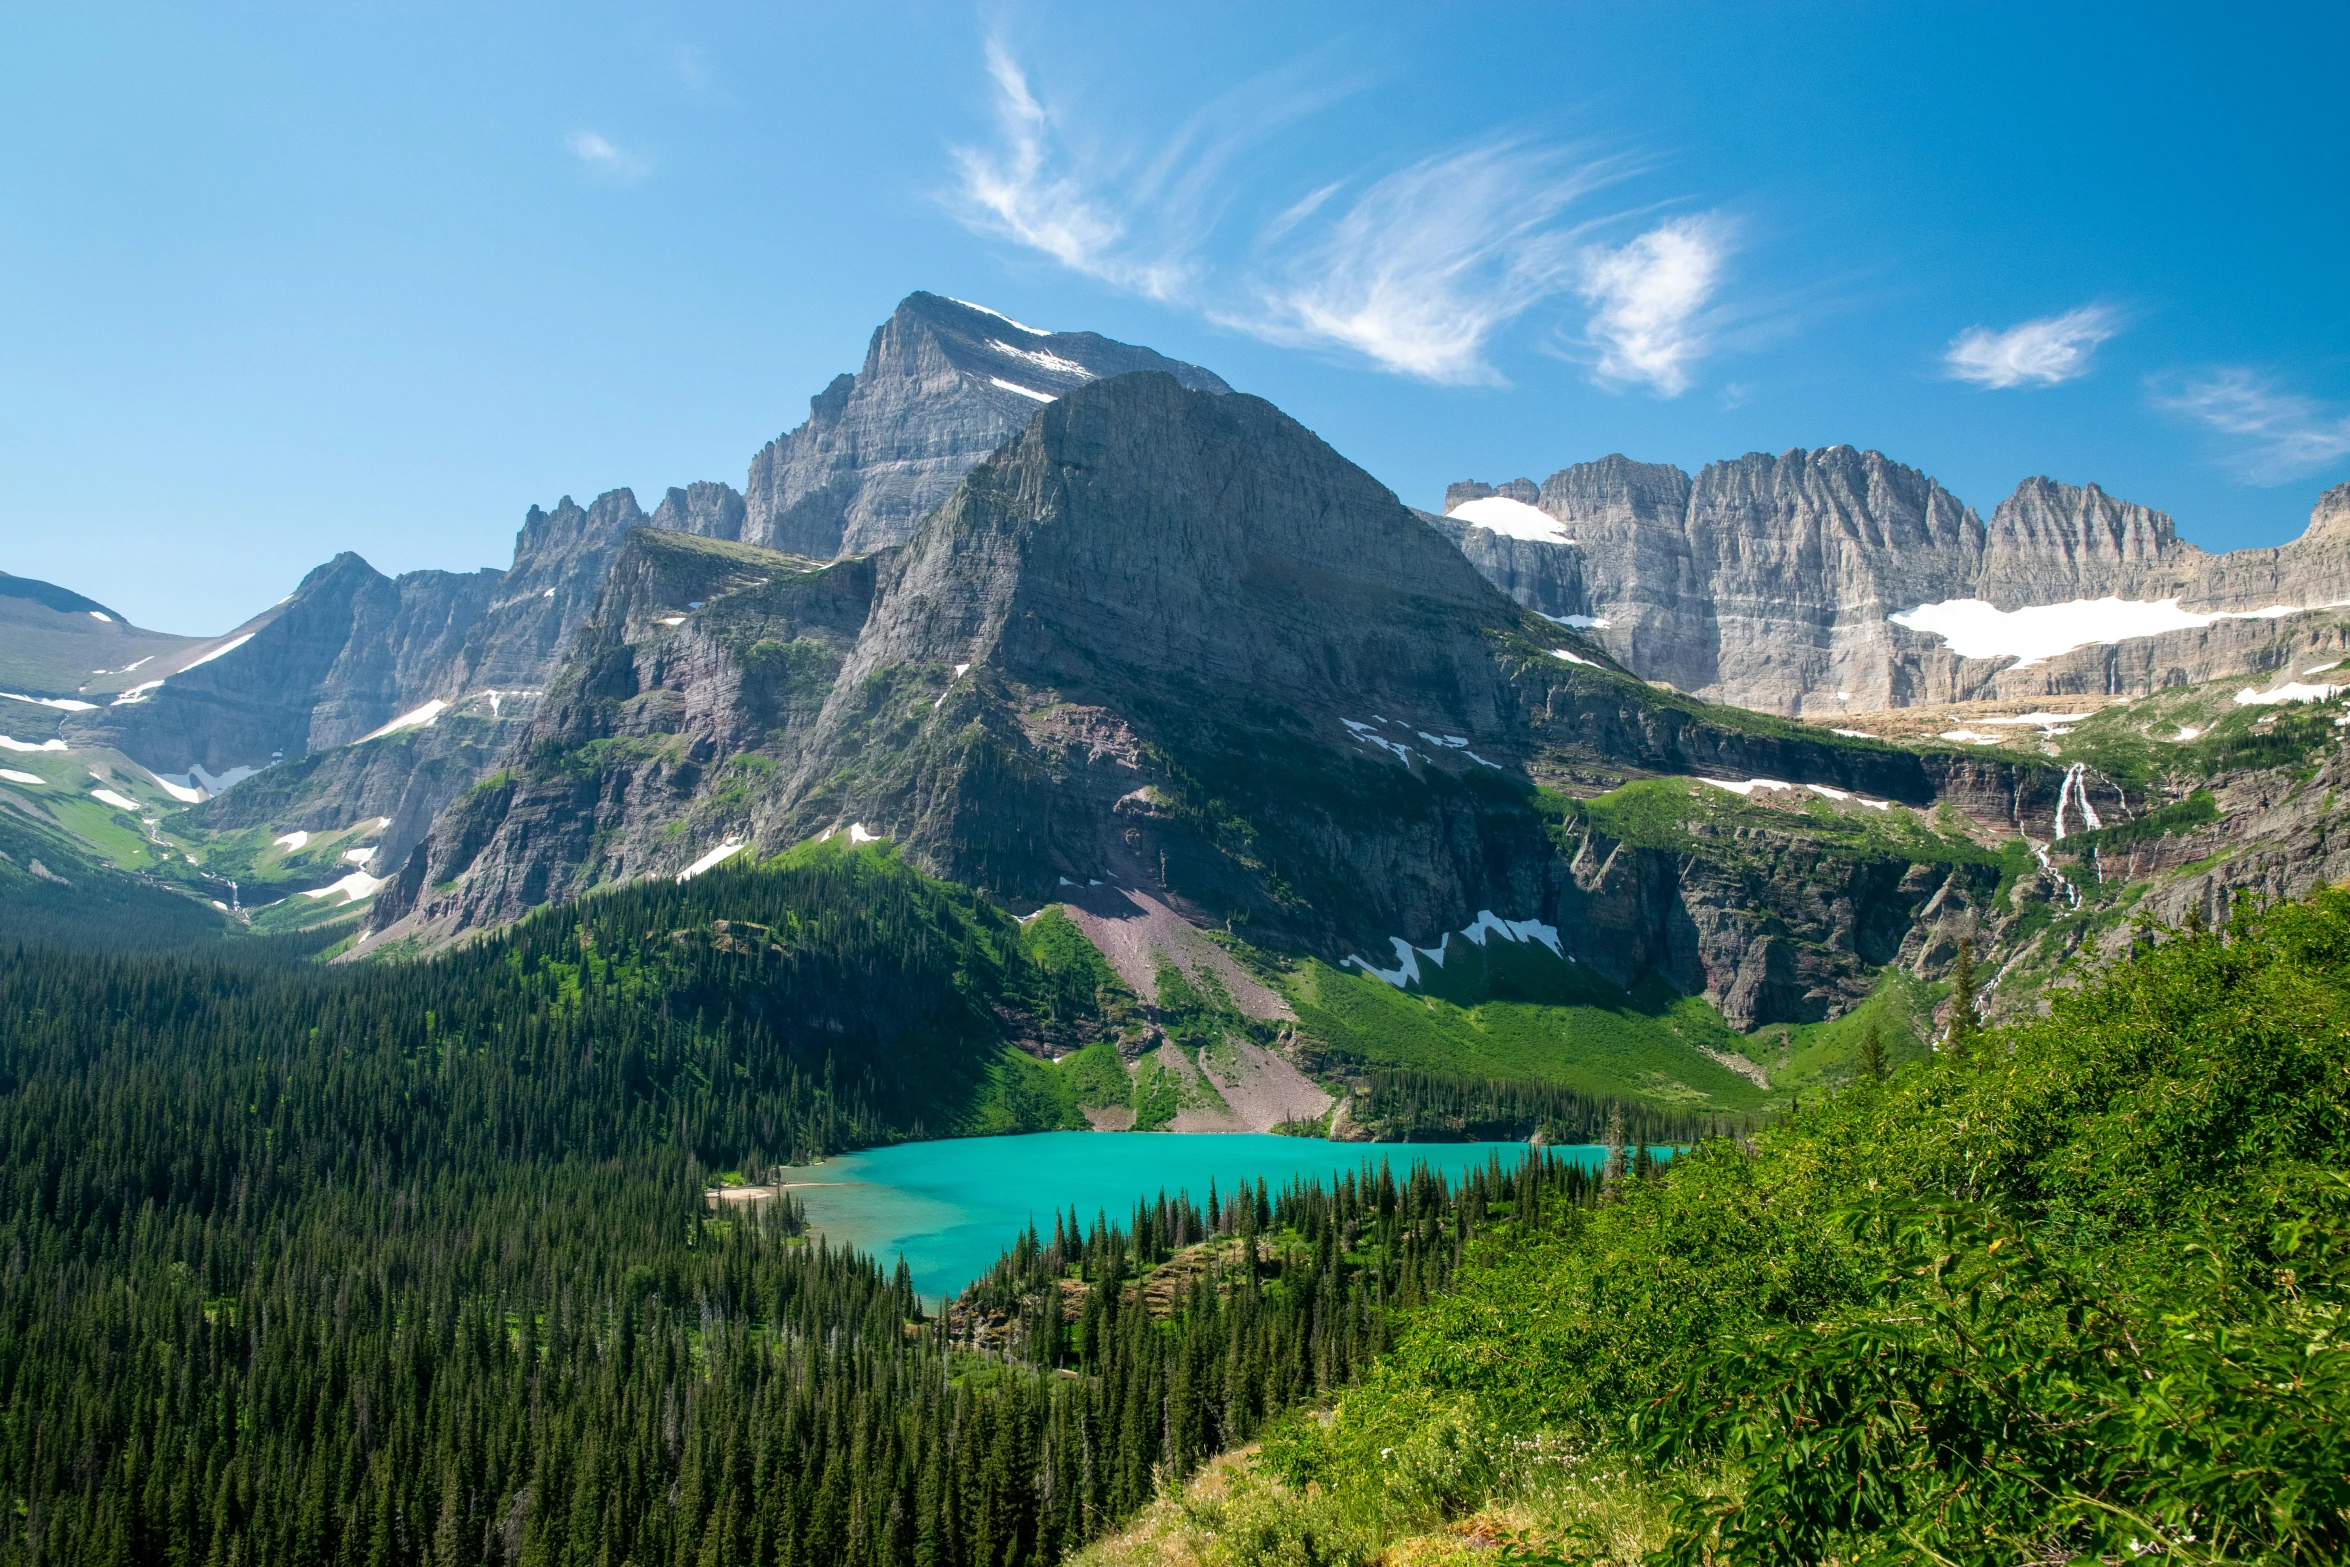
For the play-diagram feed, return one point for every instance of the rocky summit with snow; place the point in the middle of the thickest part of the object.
(1838, 580)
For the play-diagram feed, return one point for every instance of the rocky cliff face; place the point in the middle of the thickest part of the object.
(1171, 640)
(943, 384)
(1770, 582)
(705, 660)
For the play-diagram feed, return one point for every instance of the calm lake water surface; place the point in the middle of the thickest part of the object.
(951, 1207)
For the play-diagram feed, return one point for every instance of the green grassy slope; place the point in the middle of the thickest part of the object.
(1538, 1019)
(2072, 1293)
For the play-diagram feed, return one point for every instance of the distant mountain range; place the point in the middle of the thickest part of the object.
(1840, 581)
(1050, 611)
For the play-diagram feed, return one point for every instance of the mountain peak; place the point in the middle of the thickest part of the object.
(944, 383)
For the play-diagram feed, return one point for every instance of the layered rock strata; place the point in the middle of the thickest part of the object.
(1773, 582)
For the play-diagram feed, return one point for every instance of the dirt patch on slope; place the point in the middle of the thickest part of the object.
(1136, 932)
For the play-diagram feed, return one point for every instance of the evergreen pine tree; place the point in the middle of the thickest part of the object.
(1961, 1031)
(1872, 1054)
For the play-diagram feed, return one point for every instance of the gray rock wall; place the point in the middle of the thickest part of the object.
(1769, 582)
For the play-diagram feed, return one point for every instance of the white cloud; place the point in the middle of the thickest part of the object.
(605, 158)
(2281, 436)
(2040, 352)
(1649, 301)
(1416, 271)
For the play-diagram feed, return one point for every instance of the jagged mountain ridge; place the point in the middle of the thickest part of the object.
(350, 650)
(1151, 640)
(944, 383)
(1769, 581)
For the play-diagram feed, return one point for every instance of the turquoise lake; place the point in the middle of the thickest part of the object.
(951, 1207)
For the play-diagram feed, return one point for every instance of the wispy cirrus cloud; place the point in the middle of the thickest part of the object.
(1416, 269)
(1651, 301)
(2040, 352)
(2273, 436)
(608, 159)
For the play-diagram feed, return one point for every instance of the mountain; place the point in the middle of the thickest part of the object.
(1169, 643)
(370, 697)
(55, 643)
(1775, 582)
(943, 384)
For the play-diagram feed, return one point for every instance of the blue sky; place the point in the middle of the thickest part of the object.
(281, 281)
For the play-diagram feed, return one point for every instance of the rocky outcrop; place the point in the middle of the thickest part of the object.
(2049, 543)
(1770, 582)
(704, 659)
(943, 384)
(404, 779)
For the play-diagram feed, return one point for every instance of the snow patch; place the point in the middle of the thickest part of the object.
(99, 614)
(1406, 971)
(672, 620)
(1024, 391)
(1974, 628)
(64, 704)
(1032, 331)
(183, 793)
(119, 802)
(7, 744)
(360, 856)
(1402, 752)
(1512, 519)
(414, 718)
(858, 834)
(2186, 733)
(1968, 737)
(355, 886)
(1572, 658)
(13, 776)
(1853, 734)
(2297, 691)
(197, 777)
(1577, 622)
(1748, 787)
(222, 651)
(293, 842)
(1042, 360)
(1490, 923)
(2043, 720)
(716, 857)
(1407, 968)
